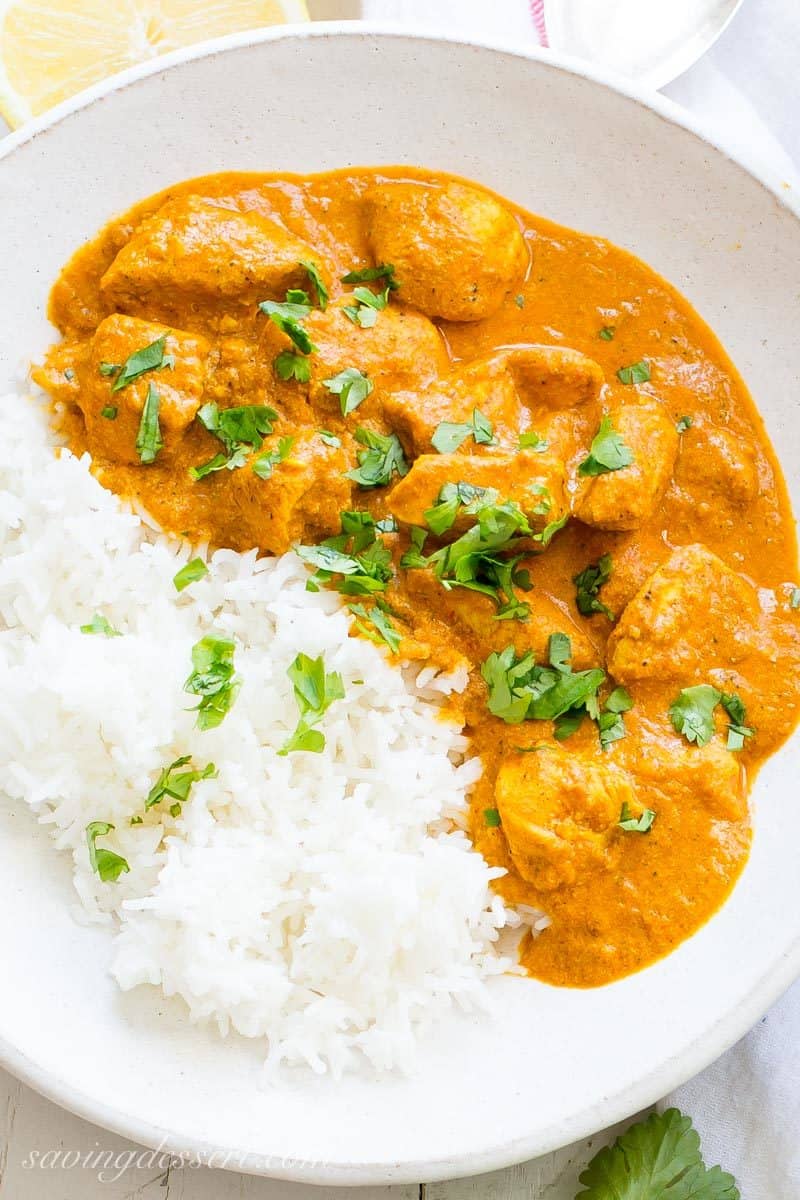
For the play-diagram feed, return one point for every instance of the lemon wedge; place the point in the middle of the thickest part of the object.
(51, 49)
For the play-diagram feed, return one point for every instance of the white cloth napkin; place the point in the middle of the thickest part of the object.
(747, 1105)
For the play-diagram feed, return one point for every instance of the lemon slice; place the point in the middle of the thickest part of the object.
(51, 49)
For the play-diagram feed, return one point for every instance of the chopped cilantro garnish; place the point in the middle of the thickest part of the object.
(101, 624)
(683, 424)
(450, 434)
(738, 731)
(149, 358)
(607, 453)
(357, 554)
(312, 270)
(109, 411)
(632, 824)
(381, 459)
(692, 713)
(290, 364)
(190, 573)
(521, 690)
(287, 316)
(376, 625)
(351, 386)
(610, 725)
(413, 559)
(213, 679)
(107, 368)
(177, 784)
(455, 498)
(606, 334)
(655, 1159)
(533, 441)
(314, 690)
(237, 429)
(368, 304)
(148, 440)
(330, 439)
(588, 583)
(492, 817)
(105, 863)
(265, 463)
(638, 372)
(370, 274)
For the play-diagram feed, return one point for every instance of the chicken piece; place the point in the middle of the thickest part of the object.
(533, 481)
(457, 252)
(196, 252)
(472, 618)
(554, 377)
(401, 350)
(180, 387)
(559, 814)
(719, 463)
(485, 384)
(664, 631)
(300, 501)
(708, 776)
(623, 499)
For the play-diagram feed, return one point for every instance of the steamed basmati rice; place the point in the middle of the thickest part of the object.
(328, 902)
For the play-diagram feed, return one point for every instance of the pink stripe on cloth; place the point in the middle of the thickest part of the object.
(537, 16)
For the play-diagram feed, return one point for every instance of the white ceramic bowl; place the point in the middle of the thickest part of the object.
(552, 1065)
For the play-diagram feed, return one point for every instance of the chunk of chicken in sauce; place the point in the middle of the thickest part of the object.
(457, 252)
(505, 315)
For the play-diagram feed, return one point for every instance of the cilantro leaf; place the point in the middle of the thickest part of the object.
(738, 731)
(213, 679)
(148, 440)
(588, 583)
(632, 824)
(533, 441)
(683, 424)
(449, 435)
(312, 270)
(149, 358)
(100, 624)
(289, 364)
(656, 1159)
(692, 713)
(607, 453)
(110, 412)
(455, 498)
(314, 690)
(237, 428)
(105, 863)
(638, 372)
(177, 784)
(357, 554)
(606, 334)
(190, 573)
(370, 274)
(520, 690)
(492, 817)
(265, 463)
(287, 316)
(351, 386)
(379, 462)
(375, 624)
(330, 439)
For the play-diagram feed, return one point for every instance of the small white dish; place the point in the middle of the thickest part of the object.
(586, 150)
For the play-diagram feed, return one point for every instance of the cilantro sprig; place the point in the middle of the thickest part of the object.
(375, 623)
(521, 690)
(607, 452)
(355, 562)
(588, 583)
(149, 442)
(240, 430)
(656, 1158)
(692, 715)
(176, 784)
(382, 458)
(449, 435)
(265, 464)
(190, 573)
(351, 386)
(315, 690)
(105, 863)
(148, 358)
(213, 679)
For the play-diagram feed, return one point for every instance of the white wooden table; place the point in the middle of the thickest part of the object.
(39, 1141)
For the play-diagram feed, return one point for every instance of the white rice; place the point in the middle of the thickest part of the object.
(325, 902)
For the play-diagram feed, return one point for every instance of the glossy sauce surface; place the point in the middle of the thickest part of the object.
(529, 323)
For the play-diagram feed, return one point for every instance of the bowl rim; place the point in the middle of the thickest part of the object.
(729, 1028)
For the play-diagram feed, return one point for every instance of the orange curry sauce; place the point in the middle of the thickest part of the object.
(529, 323)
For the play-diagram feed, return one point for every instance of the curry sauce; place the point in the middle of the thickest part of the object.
(561, 480)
